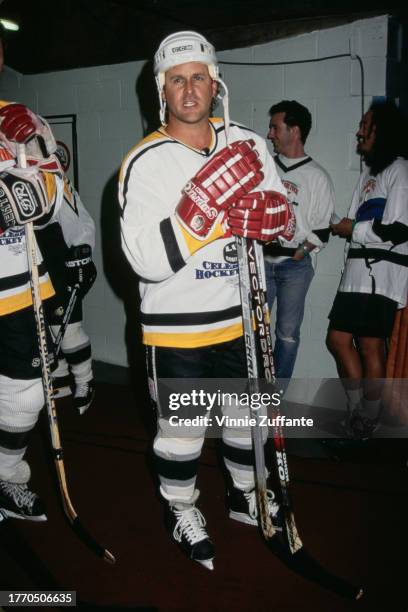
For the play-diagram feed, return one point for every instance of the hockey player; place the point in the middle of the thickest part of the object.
(290, 267)
(67, 246)
(33, 194)
(374, 282)
(182, 192)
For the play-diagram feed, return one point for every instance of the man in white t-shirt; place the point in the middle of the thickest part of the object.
(374, 282)
(290, 265)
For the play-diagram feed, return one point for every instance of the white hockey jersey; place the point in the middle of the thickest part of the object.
(310, 189)
(76, 223)
(188, 300)
(377, 261)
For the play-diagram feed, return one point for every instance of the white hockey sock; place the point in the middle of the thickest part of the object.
(82, 371)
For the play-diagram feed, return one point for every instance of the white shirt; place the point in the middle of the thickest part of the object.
(310, 189)
(389, 189)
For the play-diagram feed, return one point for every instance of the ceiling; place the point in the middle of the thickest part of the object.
(78, 33)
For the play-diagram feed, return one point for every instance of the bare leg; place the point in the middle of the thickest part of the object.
(373, 355)
(348, 361)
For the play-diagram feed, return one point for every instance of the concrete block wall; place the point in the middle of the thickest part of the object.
(110, 122)
(331, 89)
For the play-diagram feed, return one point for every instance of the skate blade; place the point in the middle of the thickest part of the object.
(40, 518)
(208, 563)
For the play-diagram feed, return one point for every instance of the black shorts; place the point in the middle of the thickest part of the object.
(363, 314)
(19, 352)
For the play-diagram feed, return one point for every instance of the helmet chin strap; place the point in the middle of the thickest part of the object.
(225, 103)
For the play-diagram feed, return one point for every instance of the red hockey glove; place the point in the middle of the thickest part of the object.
(18, 123)
(230, 174)
(262, 215)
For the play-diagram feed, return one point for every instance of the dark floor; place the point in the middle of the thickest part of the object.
(351, 512)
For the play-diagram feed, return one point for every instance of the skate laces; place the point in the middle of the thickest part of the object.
(273, 506)
(190, 524)
(21, 494)
(82, 390)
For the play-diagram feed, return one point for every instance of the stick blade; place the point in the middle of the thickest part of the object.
(86, 537)
(303, 564)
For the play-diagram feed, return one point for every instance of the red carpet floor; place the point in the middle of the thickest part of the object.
(351, 514)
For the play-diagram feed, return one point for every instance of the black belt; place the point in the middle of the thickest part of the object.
(378, 255)
(276, 250)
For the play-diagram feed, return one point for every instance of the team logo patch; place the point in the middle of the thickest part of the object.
(230, 253)
(197, 223)
(291, 188)
(63, 155)
(24, 196)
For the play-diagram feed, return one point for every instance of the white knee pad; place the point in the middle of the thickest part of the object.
(20, 403)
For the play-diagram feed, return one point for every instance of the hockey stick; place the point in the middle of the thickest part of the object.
(69, 510)
(254, 306)
(66, 319)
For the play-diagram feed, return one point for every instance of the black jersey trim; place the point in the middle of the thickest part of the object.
(323, 234)
(396, 232)
(19, 280)
(377, 255)
(244, 128)
(173, 252)
(282, 166)
(191, 318)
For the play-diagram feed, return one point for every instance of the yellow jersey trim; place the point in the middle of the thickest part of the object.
(24, 299)
(193, 340)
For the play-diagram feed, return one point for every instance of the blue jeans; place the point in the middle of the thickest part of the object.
(289, 282)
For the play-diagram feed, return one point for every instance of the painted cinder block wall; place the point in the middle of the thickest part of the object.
(108, 106)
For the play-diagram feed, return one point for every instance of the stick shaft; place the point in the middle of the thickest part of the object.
(66, 319)
(253, 374)
(32, 251)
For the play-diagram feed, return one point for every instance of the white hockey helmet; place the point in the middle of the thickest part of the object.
(180, 48)
(183, 47)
